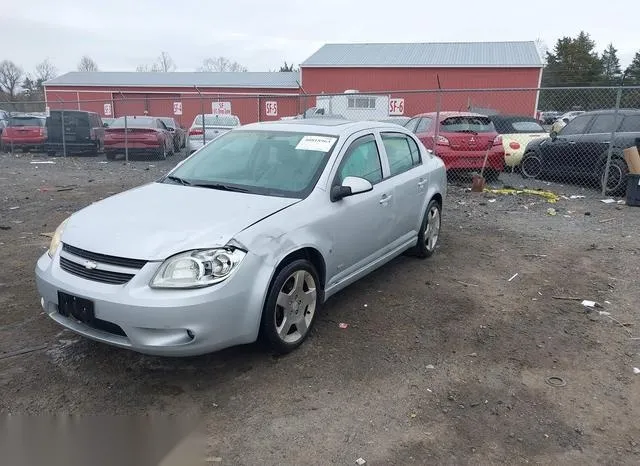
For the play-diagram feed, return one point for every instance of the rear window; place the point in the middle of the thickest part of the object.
(26, 121)
(134, 122)
(467, 124)
(70, 118)
(513, 126)
(170, 122)
(215, 120)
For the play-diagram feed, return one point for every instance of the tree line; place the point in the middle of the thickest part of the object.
(575, 62)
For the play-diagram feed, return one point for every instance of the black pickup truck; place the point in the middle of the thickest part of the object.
(579, 150)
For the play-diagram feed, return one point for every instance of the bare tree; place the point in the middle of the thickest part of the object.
(10, 77)
(87, 64)
(164, 64)
(221, 64)
(45, 70)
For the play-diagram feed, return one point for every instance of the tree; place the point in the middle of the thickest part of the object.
(632, 73)
(10, 77)
(287, 68)
(611, 66)
(221, 64)
(163, 64)
(45, 70)
(87, 64)
(574, 62)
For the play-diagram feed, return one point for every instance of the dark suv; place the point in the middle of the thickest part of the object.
(580, 149)
(83, 132)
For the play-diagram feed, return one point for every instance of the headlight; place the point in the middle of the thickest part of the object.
(55, 239)
(197, 269)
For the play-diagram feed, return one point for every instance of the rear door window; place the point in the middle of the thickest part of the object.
(605, 124)
(412, 124)
(631, 124)
(400, 153)
(467, 124)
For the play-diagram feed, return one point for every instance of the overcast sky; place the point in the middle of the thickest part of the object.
(261, 34)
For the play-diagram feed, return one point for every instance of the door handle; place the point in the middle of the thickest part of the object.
(385, 198)
(421, 183)
(572, 142)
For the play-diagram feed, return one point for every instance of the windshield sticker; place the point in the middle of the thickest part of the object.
(316, 143)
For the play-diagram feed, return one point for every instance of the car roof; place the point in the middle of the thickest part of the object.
(622, 111)
(449, 114)
(333, 127)
(511, 118)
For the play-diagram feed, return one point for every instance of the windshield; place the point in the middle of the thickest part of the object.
(217, 120)
(470, 123)
(26, 121)
(273, 163)
(141, 122)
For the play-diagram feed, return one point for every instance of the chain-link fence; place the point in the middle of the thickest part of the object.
(574, 135)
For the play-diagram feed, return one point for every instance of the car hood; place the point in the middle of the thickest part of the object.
(157, 220)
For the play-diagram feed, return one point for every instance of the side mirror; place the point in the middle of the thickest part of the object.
(553, 135)
(105, 125)
(350, 186)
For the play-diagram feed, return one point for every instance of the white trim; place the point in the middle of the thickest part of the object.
(177, 86)
(212, 93)
(410, 66)
(535, 110)
(78, 97)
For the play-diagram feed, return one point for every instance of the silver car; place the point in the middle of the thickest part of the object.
(245, 239)
(213, 126)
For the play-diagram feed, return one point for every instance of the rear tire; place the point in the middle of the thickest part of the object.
(291, 307)
(531, 165)
(163, 152)
(617, 182)
(429, 231)
(110, 156)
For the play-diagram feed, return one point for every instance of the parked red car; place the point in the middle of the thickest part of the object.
(26, 132)
(140, 135)
(463, 141)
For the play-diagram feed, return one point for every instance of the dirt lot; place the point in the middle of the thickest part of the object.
(444, 361)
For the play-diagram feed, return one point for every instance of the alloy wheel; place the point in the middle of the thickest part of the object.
(295, 306)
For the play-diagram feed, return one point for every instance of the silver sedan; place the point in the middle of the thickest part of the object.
(245, 239)
(205, 129)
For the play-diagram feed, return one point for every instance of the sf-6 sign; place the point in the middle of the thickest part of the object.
(396, 107)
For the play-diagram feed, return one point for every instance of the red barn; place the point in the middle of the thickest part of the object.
(478, 68)
(472, 76)
(181, 95)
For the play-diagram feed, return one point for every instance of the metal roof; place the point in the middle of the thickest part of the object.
(276, 80)
(428, 55)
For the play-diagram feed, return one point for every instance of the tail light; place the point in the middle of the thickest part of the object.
(497, 141)
(514, 145)
(442, 141)
(195, 132)
(43, 132)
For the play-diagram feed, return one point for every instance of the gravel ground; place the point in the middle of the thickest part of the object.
(444, 361)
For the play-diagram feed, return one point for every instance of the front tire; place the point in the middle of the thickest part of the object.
(292, 303)
(163, 152)
(531, 165)
(429, 231)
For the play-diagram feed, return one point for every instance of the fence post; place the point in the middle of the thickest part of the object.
(64, 138)
(126, 140)
(605, 180)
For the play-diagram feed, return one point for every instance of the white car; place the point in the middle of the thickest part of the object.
(205, 130)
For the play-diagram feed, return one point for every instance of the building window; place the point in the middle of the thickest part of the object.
(361, 102)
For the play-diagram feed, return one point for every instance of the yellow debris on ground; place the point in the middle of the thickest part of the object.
(552, 198)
